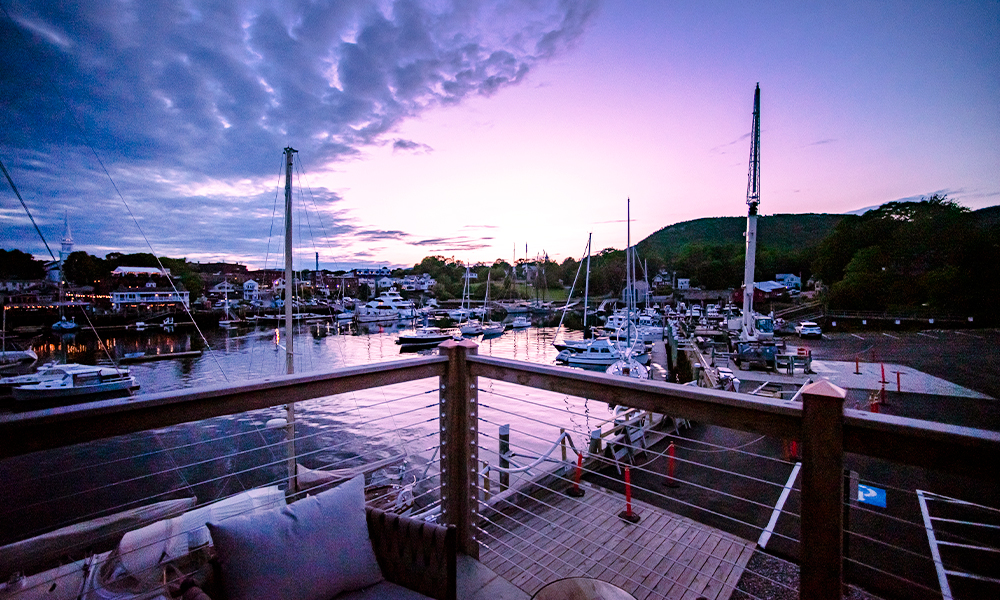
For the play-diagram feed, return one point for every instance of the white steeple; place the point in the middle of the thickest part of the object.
(67, 241)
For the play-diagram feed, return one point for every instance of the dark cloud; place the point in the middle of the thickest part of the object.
(456, 243)
(172, 97)
(723, 148)
(376, 234)
(410, 146)
(821, 142)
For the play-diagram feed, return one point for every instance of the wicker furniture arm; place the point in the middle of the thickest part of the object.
(414, 554)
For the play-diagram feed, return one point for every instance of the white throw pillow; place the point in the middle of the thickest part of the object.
(312, 549)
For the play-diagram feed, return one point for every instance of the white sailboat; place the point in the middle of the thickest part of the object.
(629, 365)
(575, 345)
(491, 328)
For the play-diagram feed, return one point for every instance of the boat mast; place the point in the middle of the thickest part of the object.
(749, 330)
(289, 274)
(293, 484)
(628, 276)
(586, 285)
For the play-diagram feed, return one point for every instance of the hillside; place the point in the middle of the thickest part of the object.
(775, 232)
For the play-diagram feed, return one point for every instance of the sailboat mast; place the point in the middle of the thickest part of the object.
(289, 274)
(586, 285)
(628, 275)
(293, 482)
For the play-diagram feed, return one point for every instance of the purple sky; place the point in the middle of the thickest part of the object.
(469, 129)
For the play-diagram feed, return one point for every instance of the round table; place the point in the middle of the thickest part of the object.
(581, 588)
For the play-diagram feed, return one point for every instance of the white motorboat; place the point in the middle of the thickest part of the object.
(520, 322)
(375, 311)
(602, 352)
(404, 307)
(423, 336)
(71, 382)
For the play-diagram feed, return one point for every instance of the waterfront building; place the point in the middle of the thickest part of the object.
(149, 297)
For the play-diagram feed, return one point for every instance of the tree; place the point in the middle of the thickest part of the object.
(15, 264)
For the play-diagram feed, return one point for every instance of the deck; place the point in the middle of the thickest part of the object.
(531, 541)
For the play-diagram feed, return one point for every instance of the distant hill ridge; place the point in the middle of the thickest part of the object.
(778, 232)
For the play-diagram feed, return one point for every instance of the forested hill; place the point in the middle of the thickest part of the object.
(777, 232)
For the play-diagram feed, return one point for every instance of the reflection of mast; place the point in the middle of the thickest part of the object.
(749, 331)
(289, 355)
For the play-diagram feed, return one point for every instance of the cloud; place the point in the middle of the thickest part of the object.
(822, 142)
(375, 234)
(410, 146)
(722, 149)
(182, 100)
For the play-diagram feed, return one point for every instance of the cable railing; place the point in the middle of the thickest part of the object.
(533, 465)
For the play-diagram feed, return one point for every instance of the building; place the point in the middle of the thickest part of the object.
(251, 290)
(683, 283)
(139, 271)
(790, 281)
(150, 296)
(372, 273)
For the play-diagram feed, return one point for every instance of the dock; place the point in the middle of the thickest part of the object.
(533, 539)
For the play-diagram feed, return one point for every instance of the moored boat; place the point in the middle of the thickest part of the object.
(70, 382)
(424, 336)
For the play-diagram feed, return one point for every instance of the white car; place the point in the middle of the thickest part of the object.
(808, 329)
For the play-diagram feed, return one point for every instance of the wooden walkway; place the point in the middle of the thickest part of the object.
(531, 541)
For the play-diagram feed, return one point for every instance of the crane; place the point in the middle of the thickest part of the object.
(750, 329)
(754, 328)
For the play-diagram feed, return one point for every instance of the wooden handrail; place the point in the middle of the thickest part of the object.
(960, 450)
(22, 433)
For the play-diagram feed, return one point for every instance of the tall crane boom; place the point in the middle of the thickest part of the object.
(749, 330)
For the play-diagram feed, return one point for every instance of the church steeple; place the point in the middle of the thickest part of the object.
(67, 241)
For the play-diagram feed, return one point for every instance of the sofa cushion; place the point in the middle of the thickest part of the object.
(312, 549)
(384, 590)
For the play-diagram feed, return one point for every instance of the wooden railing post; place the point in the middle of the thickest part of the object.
(822, 523)
(459, 445)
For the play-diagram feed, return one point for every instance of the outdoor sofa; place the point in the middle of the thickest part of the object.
(318, 548)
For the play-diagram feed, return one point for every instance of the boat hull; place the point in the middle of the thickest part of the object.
(48, 391)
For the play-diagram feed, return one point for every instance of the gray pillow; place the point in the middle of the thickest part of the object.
(312, 549)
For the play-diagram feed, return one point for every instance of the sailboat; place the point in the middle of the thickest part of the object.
(491, 328)
(575, 345)
(629, 365)
(466, 325)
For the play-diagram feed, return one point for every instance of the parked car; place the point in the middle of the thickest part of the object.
(808, 329)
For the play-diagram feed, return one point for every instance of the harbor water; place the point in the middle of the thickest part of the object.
(217, 457)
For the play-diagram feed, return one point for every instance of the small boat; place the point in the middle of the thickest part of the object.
(629, 367)
(64, 325)
(424, 336)
(601, 352)
(71, 382)
(471, 327)
(493, 328)
(520, 322)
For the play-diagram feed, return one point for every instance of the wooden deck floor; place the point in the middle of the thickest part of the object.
(534, 540)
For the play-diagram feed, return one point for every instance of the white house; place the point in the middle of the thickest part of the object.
(790, 281)
(683, 283)
(251, 290)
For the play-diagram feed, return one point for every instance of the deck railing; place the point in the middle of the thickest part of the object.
(826, 430)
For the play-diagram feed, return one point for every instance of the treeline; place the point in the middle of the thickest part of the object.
(933, 254)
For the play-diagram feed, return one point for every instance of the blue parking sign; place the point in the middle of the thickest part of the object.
(871, 495)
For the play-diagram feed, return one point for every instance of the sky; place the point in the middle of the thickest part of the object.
(477, 129)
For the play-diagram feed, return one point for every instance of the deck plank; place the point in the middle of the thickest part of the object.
(547, 536)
